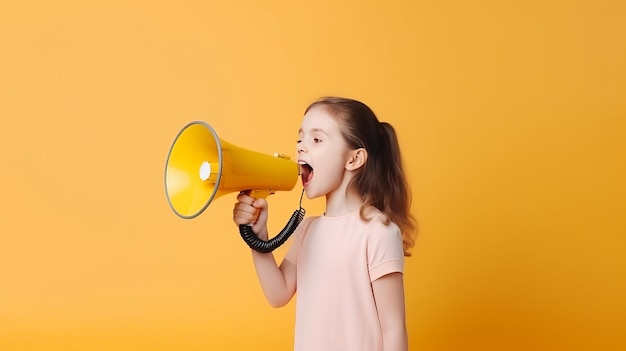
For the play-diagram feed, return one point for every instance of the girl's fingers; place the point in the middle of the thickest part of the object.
(245, 199)
(244, 213)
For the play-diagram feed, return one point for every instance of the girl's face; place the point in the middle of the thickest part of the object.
(322, 153)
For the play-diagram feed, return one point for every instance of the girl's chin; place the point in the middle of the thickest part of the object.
(310, 193)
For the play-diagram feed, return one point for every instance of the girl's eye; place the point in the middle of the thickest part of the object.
(298, 141)
(317, 140)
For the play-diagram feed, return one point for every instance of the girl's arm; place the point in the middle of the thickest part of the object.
(389, 296)
(278, 283)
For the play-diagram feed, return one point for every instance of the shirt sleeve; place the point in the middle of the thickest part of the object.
(385, 252)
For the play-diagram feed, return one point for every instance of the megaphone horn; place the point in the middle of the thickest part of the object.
(201, 167)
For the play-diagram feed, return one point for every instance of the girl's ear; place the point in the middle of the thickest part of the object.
(356, 159)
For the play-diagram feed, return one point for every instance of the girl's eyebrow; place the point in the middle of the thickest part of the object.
(314, 130)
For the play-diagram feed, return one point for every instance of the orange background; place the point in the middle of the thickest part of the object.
(511, 115)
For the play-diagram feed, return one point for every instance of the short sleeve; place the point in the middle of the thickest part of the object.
(385, 252)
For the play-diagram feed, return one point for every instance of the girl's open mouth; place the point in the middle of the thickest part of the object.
(306, 172)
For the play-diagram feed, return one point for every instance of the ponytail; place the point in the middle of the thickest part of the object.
(389, 190)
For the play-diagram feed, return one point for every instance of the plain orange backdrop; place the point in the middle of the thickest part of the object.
(511, 117)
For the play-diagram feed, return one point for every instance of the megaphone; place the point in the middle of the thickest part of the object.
(201, 167)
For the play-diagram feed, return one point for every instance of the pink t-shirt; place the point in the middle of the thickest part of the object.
(337, 258)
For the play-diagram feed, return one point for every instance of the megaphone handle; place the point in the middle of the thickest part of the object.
(272, 244)
(259, 193)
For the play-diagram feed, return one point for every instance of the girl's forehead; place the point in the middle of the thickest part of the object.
(318, 118)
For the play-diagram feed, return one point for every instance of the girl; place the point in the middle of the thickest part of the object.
(347, 264)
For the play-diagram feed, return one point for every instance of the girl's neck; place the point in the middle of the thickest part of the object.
(339, 203)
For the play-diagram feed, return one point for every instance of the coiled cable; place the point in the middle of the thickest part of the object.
(263, 246)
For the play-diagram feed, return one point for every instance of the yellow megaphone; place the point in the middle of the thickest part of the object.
(201, 167)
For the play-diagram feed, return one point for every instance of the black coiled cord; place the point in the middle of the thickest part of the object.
(272, 244)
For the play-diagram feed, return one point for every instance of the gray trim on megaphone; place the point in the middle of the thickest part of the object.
(219, 171)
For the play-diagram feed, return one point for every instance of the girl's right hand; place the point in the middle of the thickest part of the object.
(251, 211)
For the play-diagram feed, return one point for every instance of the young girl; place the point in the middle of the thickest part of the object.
(346, 265)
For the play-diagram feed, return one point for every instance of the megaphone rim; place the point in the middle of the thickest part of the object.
(219, 171)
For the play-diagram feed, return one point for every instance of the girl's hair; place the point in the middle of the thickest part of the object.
(382, 181)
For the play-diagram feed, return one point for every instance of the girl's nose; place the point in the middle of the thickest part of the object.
(301, 148)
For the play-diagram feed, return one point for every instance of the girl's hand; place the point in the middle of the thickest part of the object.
(251, 211)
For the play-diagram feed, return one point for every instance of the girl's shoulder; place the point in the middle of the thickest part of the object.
(376, 224)
(374, 216)
(304, 226)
